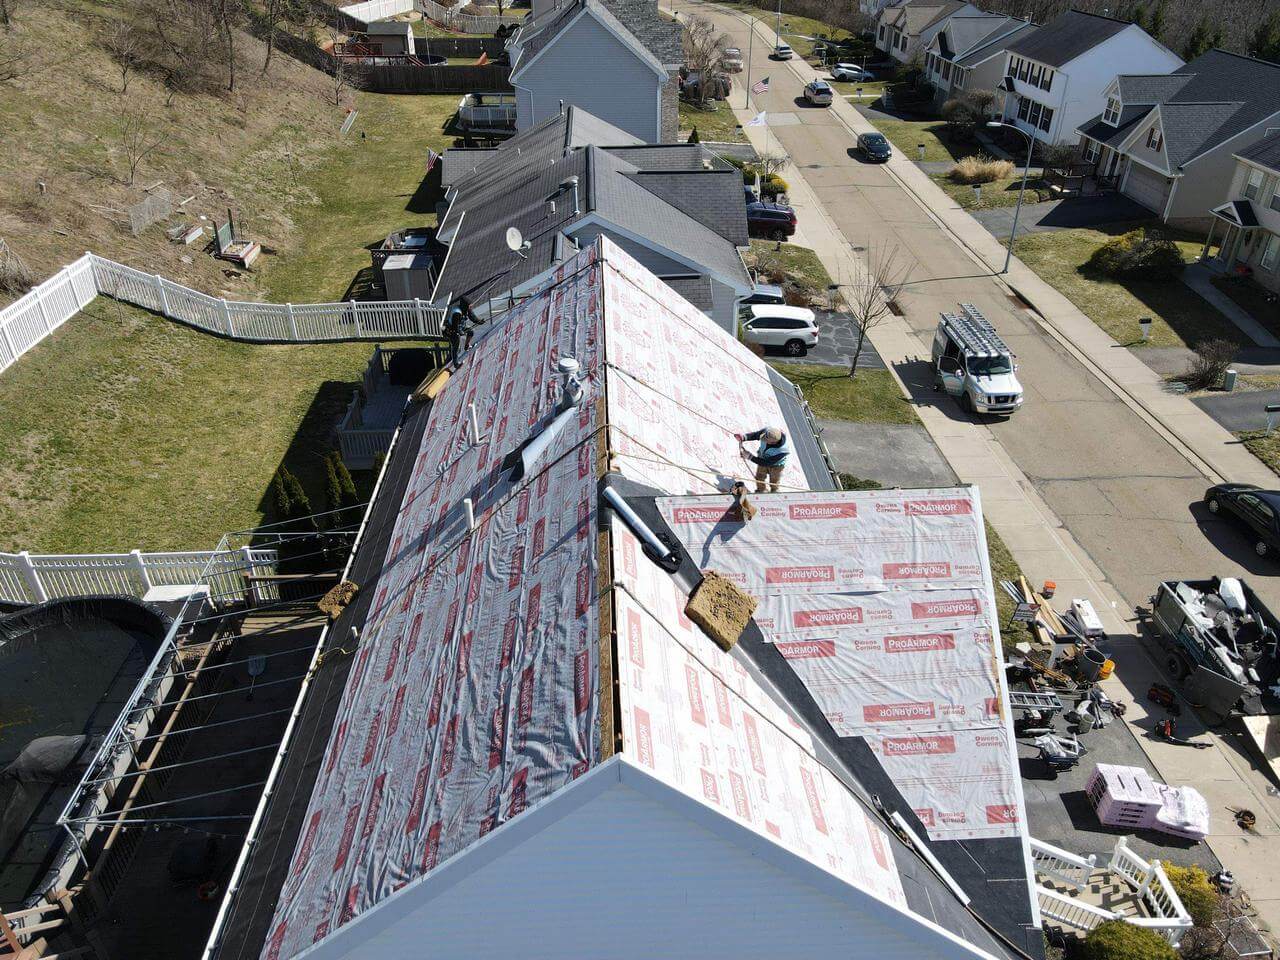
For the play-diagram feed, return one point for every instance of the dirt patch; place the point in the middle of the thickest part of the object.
(720, 609)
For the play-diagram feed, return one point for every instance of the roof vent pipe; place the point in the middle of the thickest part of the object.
(562, 108)
(571, 183)
(654, 547)
(522, 460)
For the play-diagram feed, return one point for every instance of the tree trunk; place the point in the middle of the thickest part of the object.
(857, 352)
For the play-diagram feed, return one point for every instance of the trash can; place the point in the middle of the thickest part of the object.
(1090, 663)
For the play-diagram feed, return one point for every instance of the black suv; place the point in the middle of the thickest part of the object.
(874, 147)
(774, 221)
(1256, 509)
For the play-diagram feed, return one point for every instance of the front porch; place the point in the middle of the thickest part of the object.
(1075, 894)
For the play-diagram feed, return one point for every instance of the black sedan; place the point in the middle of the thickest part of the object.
(874, 147)
(1256, 509)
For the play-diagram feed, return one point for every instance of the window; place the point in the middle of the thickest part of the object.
(1024, 106)
(1012, 69)
(1155, 140)
(1253, 188)
(1112, 113)
(1275, 201)
(1035, 75)
(1046, 119)
(1024, 70)
(1091, 151)
(1046, 81)
(881, 33)
(1033, 114)
(1270, 252)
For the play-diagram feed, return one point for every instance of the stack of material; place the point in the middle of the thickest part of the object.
(1128, 797)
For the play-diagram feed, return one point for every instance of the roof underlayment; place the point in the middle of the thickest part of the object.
(485, 678)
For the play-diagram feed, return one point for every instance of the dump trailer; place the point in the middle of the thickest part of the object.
(1220, 641)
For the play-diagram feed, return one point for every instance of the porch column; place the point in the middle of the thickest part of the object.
(1204, 253)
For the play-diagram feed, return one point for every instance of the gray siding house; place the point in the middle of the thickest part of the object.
(636, 54)
(967, 54)
(1169, 141)
(1247, 226)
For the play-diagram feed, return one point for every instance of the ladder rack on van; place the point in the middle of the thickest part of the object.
(976, 332)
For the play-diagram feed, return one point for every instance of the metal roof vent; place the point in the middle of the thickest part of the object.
(521, 460)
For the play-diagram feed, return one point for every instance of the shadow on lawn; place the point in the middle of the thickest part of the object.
(312, 441)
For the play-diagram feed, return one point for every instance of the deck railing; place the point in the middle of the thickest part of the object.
(27, 321)
(1062, 865)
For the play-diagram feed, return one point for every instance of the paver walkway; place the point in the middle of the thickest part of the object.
(1200, 279)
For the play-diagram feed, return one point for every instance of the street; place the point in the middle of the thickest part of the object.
(1084, 472)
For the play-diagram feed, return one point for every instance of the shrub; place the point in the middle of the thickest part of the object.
(332, 488)
(280, 503)
(1117, 940)
(350, 495)
(1198, 895)
(772, 186)
(1206, 368)
(693, 136)
(981, 169)
(1138, 255)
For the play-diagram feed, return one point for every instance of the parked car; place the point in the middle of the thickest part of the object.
(774, 221)
(819, 93)
(1256, 509)
(765, 293)
(793, 330)
(874, 147)
(731, 60)
(851, 72)
(783, 51)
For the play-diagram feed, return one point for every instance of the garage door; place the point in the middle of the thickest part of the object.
(1149, 188)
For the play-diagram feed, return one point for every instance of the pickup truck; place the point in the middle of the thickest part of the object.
(1220, 641)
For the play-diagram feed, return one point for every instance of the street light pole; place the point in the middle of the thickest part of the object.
(1026, 169)
(751, 42)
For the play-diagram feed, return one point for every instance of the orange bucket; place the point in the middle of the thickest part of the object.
(1107, 667)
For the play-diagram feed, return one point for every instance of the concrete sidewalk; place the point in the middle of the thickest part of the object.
(1040, 543)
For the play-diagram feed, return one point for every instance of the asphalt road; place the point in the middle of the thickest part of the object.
(1129, 498)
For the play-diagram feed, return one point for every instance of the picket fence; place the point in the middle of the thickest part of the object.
(27, 321)
(35, 578)
(462, 22)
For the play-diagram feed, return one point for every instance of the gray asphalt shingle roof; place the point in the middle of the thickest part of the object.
(1066, 37)
(694, 213)
(999, 40)
(1204, 103)
(1265, 153)
(660, 37)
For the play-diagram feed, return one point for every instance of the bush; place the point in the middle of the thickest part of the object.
(1117, 940)
(1205, 370)
(772, 186)
(1198, 895)
(1138, 255)
(981, 169)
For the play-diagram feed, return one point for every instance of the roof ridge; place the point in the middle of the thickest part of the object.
(1240, 56)
(1102, 16)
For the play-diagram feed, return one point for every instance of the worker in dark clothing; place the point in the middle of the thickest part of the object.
(770, 457)
(458, 324)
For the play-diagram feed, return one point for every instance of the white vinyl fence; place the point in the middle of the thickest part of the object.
(27, 321)
(35, 578)
(462, 22)
(373, 10)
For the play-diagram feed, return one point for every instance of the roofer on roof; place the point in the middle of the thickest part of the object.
(770, 457)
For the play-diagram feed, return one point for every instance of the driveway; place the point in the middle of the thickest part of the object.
(892, 454)
(836, 344)
(1064, 214)
(1241, 410)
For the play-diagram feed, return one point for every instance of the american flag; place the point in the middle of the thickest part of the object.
(432, 157)
(761, 87)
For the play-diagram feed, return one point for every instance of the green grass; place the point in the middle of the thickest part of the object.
(906, 135)
(124, 430)
(872, 90)
(366, 187)
(999, 193)
(1179, 316)
(1004, 567)
(872, 396)
(715, 122)
(1265, 448)
(798, 264)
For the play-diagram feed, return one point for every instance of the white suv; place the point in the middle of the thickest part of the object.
(792, 329)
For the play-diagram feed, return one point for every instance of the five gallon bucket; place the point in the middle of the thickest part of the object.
(1091, 663)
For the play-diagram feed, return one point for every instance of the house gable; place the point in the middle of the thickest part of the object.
(610, 24)
(1146, 144)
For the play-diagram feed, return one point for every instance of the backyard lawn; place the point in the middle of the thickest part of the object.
(715, 122)
(873, 396)
(1180, 317)
(799, 265)
(124, 430)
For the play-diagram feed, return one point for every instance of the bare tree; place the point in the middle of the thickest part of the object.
(347, 71)
(869, 298)
(136, 137)
(769, 164)
(704, 47)
(125, 47)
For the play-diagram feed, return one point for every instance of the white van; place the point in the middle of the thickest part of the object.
(792, 329)
(972, 363)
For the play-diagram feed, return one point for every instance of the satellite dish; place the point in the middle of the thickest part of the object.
(515, 241)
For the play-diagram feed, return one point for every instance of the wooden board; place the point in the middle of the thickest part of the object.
(1265, 734)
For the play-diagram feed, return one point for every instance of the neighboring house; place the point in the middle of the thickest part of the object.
(873, 8)
(1057, 77)
(905, 30)
(618, 59)
(1247, 226)
(1169, 141)
(968, 53)
(675, 207)
(528, 749)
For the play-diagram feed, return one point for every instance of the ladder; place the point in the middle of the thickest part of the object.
(974, 331)
(1026, 700)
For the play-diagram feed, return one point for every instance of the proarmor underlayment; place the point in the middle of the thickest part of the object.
(881, 602)
(476, 689)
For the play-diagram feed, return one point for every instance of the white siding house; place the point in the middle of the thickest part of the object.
(552, 61)
(1057, 77)
(904, 31)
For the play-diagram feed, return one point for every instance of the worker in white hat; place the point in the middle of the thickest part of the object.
(770, 457)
